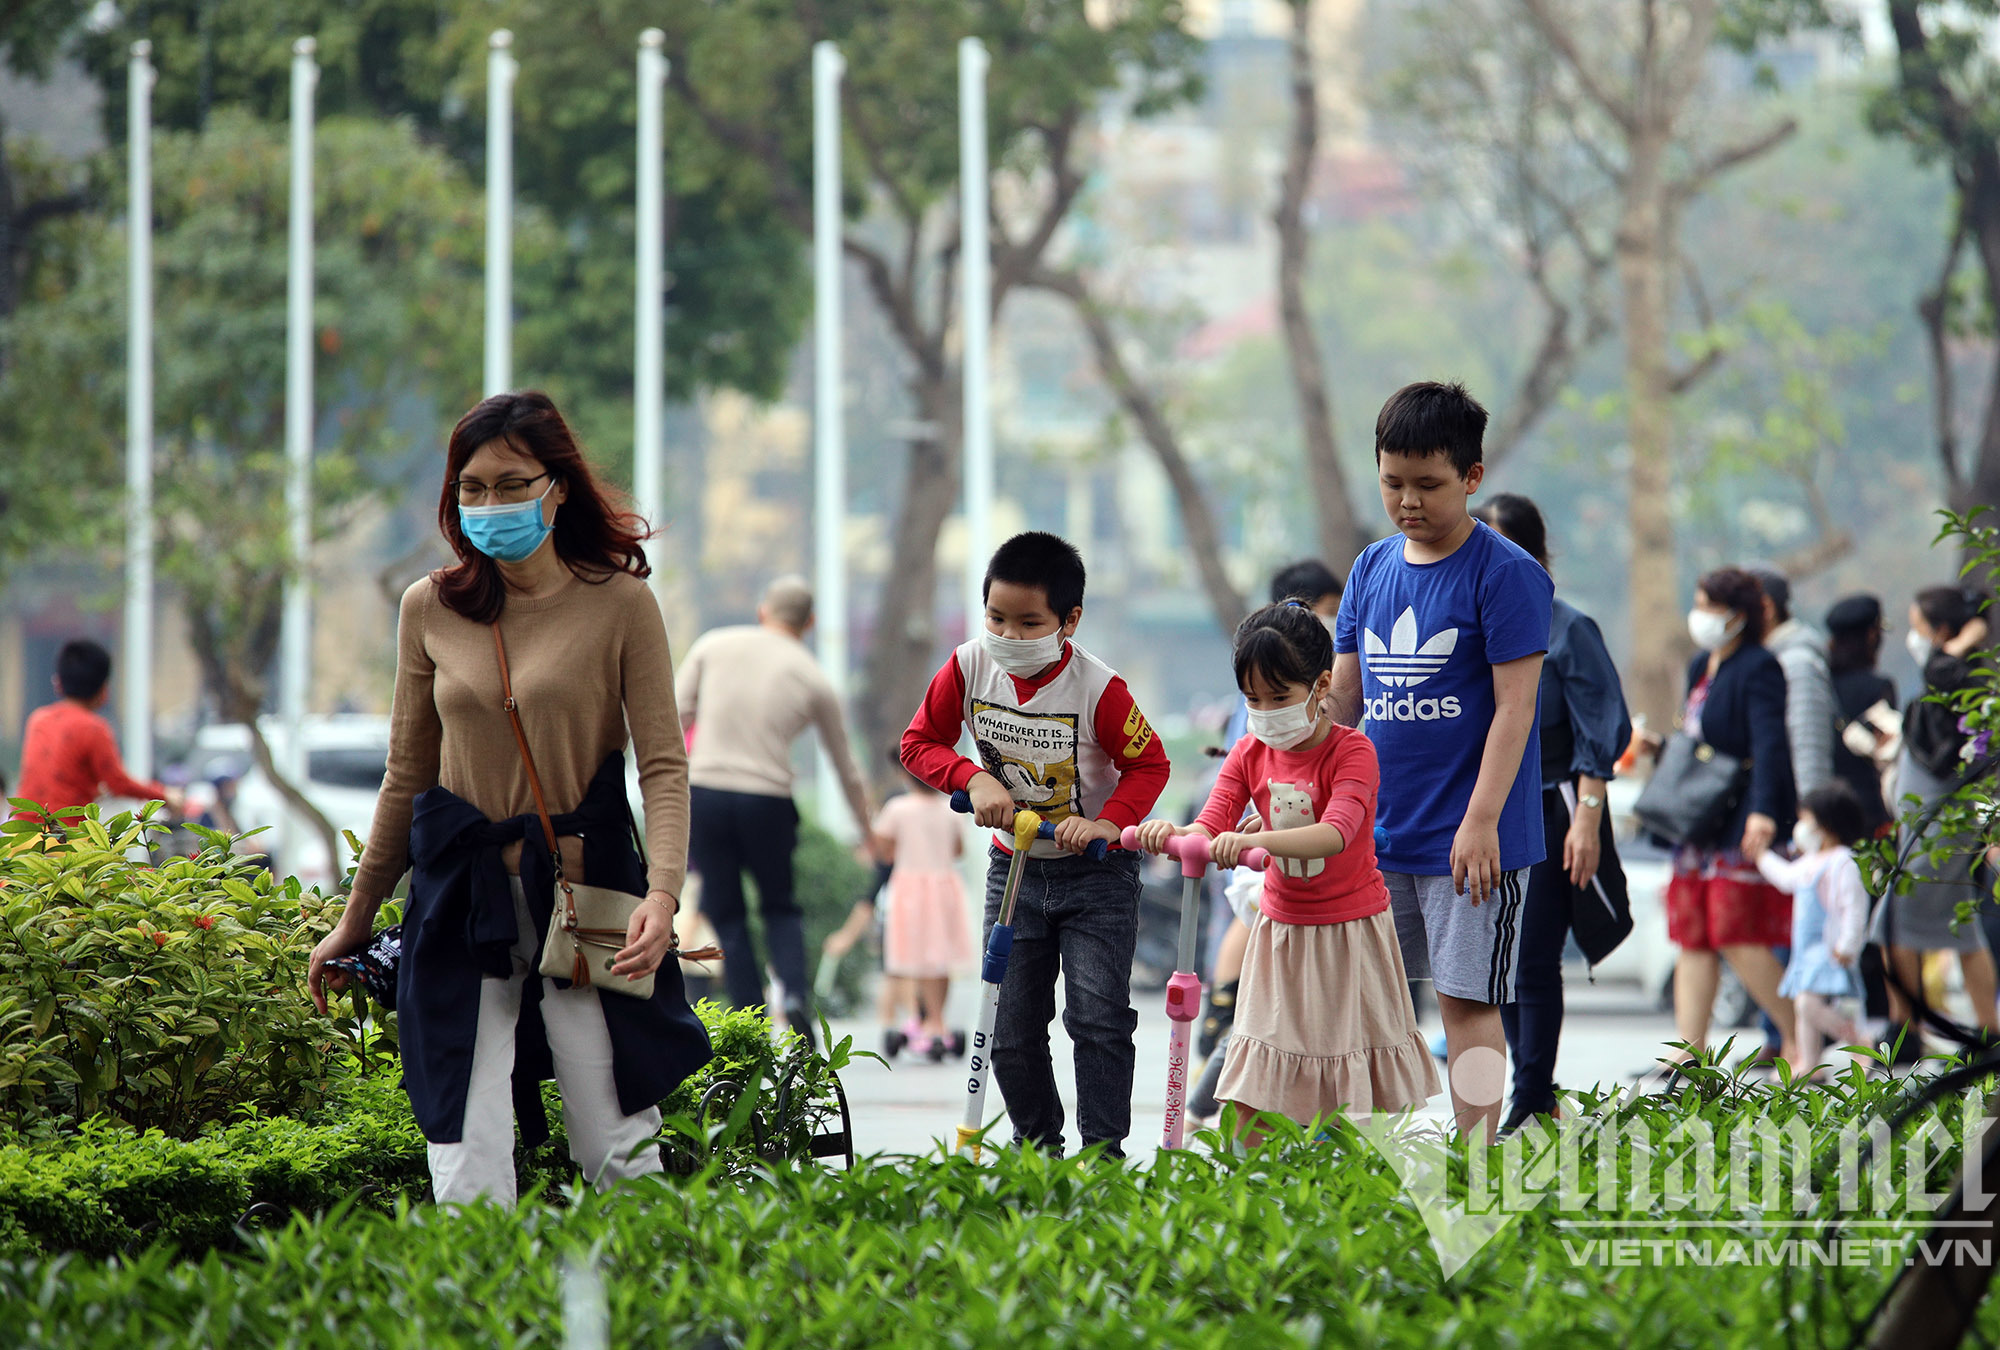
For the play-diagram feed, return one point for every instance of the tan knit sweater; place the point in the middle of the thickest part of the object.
(587, 662)
(748, 693)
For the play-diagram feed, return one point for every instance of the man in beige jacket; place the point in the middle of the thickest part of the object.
(746, 693)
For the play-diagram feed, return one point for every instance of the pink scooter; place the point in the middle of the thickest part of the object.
(1184, 989)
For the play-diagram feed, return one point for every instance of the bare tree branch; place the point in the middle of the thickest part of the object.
(1013, 260)
(1555, 30)
(1697, 179)
(1830, 542)
(1934, 308)
(1713, 351)
(1340, 538)
(1204, 541)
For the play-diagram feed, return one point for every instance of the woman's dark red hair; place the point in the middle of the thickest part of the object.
(594, 534)
(1738, 591)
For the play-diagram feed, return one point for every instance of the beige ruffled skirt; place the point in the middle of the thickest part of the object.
(1324, 1023)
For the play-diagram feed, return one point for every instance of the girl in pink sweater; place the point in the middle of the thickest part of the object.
(1323, 1021)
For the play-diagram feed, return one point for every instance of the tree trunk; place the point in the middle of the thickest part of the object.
(1981, 196)
(1934, 1306)
(1339, 532)
(1657, 642)
(900, 656)
(239, 698)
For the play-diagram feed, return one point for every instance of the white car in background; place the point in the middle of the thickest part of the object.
(346, 756)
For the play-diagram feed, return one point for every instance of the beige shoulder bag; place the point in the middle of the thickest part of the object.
(588, 925)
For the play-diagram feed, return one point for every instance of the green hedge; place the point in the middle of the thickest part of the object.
(1298, 1245)
(109, 1189)
(105, 1188)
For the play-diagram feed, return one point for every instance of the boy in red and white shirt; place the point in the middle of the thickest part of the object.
(1056, 732)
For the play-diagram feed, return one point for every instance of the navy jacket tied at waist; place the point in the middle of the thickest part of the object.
(457, 929)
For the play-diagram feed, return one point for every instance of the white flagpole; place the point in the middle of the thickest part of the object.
(829, 430)
(500, 71)
(138, 656)
(649, 314)
(976, 307)
(297, 635)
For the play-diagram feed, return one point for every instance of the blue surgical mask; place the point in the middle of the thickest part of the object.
(508, 534)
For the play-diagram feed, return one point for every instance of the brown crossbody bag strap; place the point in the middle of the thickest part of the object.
(534, 781)
(548, 824)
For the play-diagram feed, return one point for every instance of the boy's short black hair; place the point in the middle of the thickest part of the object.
(1285, 643)
(82, 669)
(1838, 810)
(1429, 418)
(1307, 580)
(1038, 558)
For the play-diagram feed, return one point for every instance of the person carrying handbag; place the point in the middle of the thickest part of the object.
(1719, 906)
(1579, 887)
(546, 619)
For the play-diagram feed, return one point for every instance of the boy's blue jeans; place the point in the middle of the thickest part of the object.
(1080, 918)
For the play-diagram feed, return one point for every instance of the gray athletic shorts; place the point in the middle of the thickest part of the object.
(1467, 951)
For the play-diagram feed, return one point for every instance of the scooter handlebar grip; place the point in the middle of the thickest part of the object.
(1094, 850)
(1381, 839)
(1256, 859)
(999, 943)
(1129, 839)
(961, 802)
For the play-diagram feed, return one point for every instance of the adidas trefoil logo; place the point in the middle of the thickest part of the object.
(1402, 663)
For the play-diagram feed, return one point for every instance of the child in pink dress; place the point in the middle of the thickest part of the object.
(1323, 1017)
(928, 935)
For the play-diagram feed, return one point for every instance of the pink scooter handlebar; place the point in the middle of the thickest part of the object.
(1192, 851)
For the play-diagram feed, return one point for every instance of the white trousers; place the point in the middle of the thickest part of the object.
(607, 1144)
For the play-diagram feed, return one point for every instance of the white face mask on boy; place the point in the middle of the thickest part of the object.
(1022, 656)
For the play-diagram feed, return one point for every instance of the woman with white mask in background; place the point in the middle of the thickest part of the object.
(1946, 629)
(1719, 907)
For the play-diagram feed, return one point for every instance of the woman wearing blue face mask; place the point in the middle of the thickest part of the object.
(547, 601)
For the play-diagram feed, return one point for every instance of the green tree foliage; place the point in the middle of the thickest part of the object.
(742, 88)
(396, 276)
(1944, 103)
(736, 296)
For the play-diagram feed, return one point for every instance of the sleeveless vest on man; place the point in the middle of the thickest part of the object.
(1045, 748)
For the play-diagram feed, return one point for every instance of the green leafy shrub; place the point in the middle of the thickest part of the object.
(1955, 831)
(1300, 1244)
(159, 997)
(104, 1188)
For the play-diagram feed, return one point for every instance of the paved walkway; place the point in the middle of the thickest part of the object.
(911, 1105)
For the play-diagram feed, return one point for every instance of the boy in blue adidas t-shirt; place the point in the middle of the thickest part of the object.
(1439, 648)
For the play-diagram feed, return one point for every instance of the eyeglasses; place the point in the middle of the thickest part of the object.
(471, 492)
